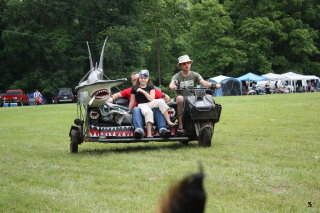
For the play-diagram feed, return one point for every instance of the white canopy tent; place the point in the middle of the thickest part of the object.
(219, 78)
(275, 77)
(292, 78)
(311, 77)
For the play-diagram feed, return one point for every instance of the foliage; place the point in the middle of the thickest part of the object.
(43, 43)
(281, 35)
(214, 49)
(163, 22)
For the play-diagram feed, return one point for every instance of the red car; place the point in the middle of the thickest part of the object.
(15, 96)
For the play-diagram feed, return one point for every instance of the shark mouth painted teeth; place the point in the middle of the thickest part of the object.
(101, 94)
(118, 131)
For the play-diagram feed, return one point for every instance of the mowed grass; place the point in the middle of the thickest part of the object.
(265, 158)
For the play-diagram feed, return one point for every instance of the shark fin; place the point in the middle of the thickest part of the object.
(90, 58)
(101, 55)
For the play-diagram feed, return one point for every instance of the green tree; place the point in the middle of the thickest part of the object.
(44, 41)
(214, 49)
(163, 22)
(124, 51)
(289, 30)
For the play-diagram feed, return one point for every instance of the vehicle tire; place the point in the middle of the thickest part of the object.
(205, 135)
(74, 140)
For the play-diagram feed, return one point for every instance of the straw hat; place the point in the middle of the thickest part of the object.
(183, 59)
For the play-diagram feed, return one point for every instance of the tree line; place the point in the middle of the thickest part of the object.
(43, 42)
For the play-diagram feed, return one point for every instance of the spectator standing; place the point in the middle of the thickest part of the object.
(308, 86)
(38, 97)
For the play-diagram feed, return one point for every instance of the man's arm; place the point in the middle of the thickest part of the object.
(114, 97)
(172, 85)
(166, 98)
(131, 104)
(209, 84)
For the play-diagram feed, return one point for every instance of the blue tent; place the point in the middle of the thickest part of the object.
(252, 77)
(229, 86)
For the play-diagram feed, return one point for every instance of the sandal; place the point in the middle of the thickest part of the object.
(180, 131)
(173, 126)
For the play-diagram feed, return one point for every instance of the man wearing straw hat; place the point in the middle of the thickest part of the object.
(187, 78)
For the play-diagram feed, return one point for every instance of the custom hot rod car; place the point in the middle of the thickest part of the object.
(98, 121)
(111, 123)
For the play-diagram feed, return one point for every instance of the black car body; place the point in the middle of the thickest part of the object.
(63, 95)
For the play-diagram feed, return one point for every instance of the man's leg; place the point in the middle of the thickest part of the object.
(161, 123)
(180, 102)
(138, 122)
(159, 118)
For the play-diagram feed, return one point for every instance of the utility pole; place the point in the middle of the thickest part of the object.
(158, 56)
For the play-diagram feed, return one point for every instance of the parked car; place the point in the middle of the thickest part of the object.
(15, 96)
(1, 102)
(63, 95)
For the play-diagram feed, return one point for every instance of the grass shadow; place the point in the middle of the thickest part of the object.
(137, 148)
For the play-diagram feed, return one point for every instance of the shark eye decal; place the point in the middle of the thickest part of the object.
(101, 94)
(94, 114)
(171, 112)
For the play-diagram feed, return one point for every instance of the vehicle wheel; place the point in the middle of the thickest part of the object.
(74, 137)
(205, 135)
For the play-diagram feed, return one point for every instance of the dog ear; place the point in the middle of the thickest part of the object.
(188, 195)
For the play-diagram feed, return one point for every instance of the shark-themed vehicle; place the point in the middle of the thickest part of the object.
(103, 122)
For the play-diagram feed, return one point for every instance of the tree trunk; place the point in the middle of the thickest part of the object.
(158, 56)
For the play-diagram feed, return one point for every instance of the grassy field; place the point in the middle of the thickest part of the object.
(265, 158)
